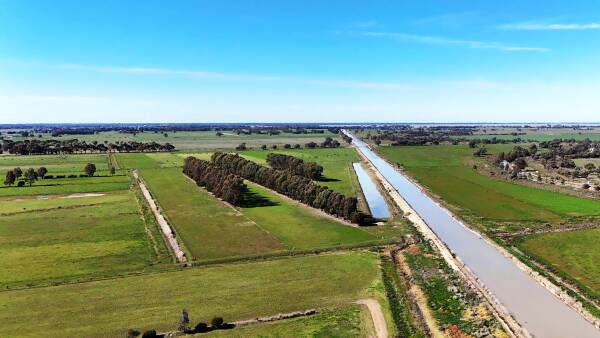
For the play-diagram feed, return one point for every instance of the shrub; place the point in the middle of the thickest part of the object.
(131, 333)
(60, 176)
(21, 184)
(217, 322)
(585, 186)
(150, 334)
(48, 177)
(201, 327)
(83, 175)
(72, 176)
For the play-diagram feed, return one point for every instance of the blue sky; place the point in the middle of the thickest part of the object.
(301, 61)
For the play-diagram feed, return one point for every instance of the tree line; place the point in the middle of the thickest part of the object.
(53, 147)
(296, 165)
(294, 186)
(30, 175)
(222, 184)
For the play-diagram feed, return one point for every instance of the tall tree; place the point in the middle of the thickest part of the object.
(18, 172)
(10, 178)
(42, 171)
(30, 176)
(90, 169)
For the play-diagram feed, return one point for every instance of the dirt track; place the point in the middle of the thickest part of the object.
(162, 222)
(377, 315)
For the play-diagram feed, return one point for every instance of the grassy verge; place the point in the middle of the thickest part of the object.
(457, 308)
(396, 295)
(346, 321)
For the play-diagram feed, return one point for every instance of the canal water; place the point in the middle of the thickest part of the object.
(540, 312)
(375, 200)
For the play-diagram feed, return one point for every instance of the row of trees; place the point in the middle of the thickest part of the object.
(29, 176)
(294, 186)
(51, 147)
(296, 165)
(222, 184)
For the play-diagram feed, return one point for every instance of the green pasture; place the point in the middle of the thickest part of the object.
(57, 240)
(446, 171)
(337, 165)
(24, 204)
(69, 186)
(346, 321)
(207, 227)
(536, 134)
(296, 225)
(56, 164)
(576, 252)
(108, 308)
(185, 140)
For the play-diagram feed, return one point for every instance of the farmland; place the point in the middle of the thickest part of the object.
(234, 291)
(264, 223)
(297, 226)
(577, 253)
(66, 238)
(337, 171)
(535, 134)
(195, 140)
(208, 228)
(68, 165)
(446, 171)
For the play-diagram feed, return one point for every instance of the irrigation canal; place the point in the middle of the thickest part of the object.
(536, 309)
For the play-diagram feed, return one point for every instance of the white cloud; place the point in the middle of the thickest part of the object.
(438, 40)
(532, 26)
(359, 84)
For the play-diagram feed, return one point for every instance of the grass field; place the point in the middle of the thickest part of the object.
(63, 165)
(70, 186)
(577, 253)
(265, 222)
(297, 226)
(196, 139)
(85, 237)
(234, 291)
(207, 227)
(445, 170)
(56, 164)
(544, 135)
(337, 165)
(347, 321)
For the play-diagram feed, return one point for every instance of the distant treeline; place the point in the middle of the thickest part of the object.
(294, 186)
(52, 147)
(295, 165)
(88, 129)
(228, 187)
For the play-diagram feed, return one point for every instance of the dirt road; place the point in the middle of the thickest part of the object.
(162, 222)
(377, 315)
